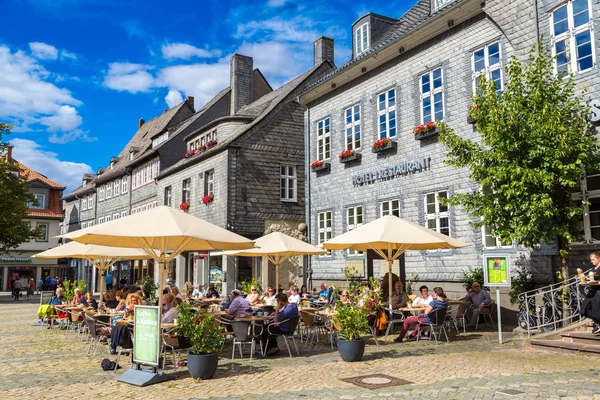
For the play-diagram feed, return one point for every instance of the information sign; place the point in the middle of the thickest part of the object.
(146, 343)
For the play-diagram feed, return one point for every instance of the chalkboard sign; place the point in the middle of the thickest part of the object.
(45, 297)
(146, 344)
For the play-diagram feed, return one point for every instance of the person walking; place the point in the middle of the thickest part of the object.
(109, 281)
(17, 288)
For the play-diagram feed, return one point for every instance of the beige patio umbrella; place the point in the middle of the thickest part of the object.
(101, 257)
(390, 236)
(278, 247)
(168, 230)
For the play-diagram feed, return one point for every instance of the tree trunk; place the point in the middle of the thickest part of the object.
(566, 293)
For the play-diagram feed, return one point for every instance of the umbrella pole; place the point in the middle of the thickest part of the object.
(161, 280)
(390, 262)
(101, 288)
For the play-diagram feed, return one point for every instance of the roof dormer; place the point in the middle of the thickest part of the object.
(367, 30)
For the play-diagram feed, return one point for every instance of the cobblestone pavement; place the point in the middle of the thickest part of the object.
(40, 363)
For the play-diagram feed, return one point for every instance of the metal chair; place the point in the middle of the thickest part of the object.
(92, 325)
(452, 316)
(243, 334)
(440, 321)
(127, 347)
(487, 313)
(290, 334)
(395, 317)
(311, 325)
(172, 343)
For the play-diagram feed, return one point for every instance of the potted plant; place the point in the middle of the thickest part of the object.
(351, 320)
(470, 116)
(209, 198)
(425, 131)
(349, 155)
(205, 340)
(319, 165)
(185, 205)
(383, 144)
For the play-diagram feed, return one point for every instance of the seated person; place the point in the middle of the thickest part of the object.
(133, 300)
(121, 299)
(212, 292)
(428, 317)
(77, 297)
(304, 295)
(423, 299)
(479, 300)
(345, 297)
(90, 301)
(56, 300)
(199, 291)
(112, 301)
(253, 298)
(285, 311)
(324, 293)
(238, 306)
(399, 297)
(294, 297)
(269, 298)
(175, 292)
(169, 312)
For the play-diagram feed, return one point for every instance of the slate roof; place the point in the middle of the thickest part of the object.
(414, 18)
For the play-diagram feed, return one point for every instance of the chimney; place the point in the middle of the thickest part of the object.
(190, 100)
(9, 153)
(323, 50)
(141, 122)
(241, 68)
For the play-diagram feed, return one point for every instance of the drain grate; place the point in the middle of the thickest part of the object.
(510, 392)
(376, 381)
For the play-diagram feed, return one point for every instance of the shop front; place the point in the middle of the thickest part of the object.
(22, 267)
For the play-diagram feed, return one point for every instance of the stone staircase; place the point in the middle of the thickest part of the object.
(576, 338)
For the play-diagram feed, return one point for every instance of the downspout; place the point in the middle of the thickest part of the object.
(307, 192)
(537, 24)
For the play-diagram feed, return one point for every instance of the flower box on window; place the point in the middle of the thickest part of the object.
(209, 198)
(319, 165)
(470, 118)
(383, 145)
(426, 131)
(349, 155)
(205, 147)
(185, 205)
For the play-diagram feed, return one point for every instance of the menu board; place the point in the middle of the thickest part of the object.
(146, 343)
(496, 270)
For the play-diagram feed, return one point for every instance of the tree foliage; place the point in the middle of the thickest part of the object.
(14, 199)
(535, 143)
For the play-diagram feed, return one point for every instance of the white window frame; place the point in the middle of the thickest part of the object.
(84, 204)
(431, 95)
(124, 185)
(385, 109)
(186, 190)
(437, 215)
(390, 207)
(437, 4)
(498, 241)
(116, 187)
(488, 69)
(585, 196)
(288, 180)
(108, 218)
(100, 220)
(41, 198)
(354, 225)
(352, 128)
(570, 35)
(324, 139)
(116, 216)
(91, 202)
(160, 139)
(361, 39)
(101, 193)
(168, 196)
(210, 182)
(325, 229)
(123, 214)
(84, 225)
(46, 231)
(108, 190)
(145, 174)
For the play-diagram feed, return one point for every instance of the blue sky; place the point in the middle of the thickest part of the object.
(76, 75)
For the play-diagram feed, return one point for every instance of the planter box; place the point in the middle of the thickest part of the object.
(470, 120)
(323, 167)
(353, 157)
(388, 146)
(428, 134)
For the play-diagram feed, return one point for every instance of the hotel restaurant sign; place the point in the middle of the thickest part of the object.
(401, 169)
(595, 111)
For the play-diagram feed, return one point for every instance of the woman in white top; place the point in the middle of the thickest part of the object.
(269, 298)
(294, 297)
(169, 310)
(424, 299)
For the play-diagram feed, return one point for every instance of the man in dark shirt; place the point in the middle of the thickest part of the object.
(284, 311)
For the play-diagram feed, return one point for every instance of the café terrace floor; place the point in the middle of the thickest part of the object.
(37, 363)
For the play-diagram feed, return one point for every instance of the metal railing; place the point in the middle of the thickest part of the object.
(541, 310)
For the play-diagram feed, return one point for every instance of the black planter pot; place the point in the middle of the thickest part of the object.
(323, 167)
(428, 134)
(353, 157)
(470, 120)
(351, 350)
(388, 146)
(202, 366)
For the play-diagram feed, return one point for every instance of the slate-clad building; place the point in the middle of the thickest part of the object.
(245, 172)
(419, 68)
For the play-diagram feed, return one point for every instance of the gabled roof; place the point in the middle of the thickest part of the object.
(34, 175)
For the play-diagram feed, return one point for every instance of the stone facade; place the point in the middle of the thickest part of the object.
(366, 183)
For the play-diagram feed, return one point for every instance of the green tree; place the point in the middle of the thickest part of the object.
(535, 143)
(14, 197)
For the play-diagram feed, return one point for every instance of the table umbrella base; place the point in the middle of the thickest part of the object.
(141, 377)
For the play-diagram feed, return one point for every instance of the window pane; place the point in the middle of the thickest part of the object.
(580, 13)
(561, 24)
(426, 109)
(437, 78)
(562, 61)
(439, 106)
(497, 78)
(479, 60)
(443, 195)
(392, 122)
(385, 208)
(356, 113)
(382, 102)
(391, 98)
(348, 116)
(431, 224)
(584, 51)
(425, 83)
(494, 54)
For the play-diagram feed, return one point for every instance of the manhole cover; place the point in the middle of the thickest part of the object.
(376, 381)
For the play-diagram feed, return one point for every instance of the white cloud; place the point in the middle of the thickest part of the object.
(66, 119)
(43, 51)
(28, 99)
(203, 81)
(128, 77)
(68, 54)
(298, 29)
(47, 163)
(173, 98)
(186, 51)
(71, 136)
